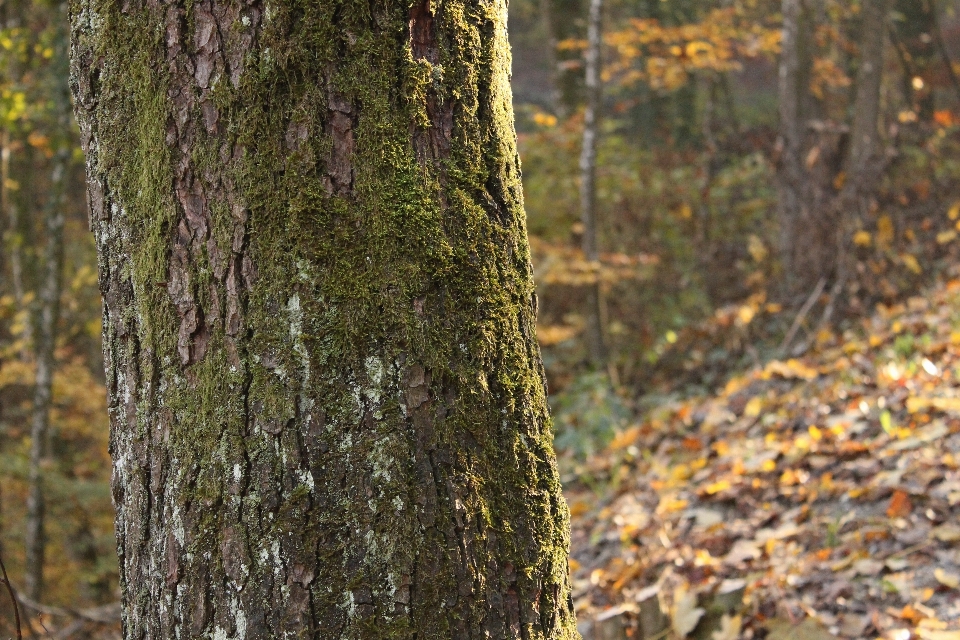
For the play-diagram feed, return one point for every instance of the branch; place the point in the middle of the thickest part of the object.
(106, 614)
(13, 598)
(804, 310)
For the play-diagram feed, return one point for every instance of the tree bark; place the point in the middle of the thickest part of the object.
(790, 143)
(596, 350)
(328, 409)
(866, 107)
(811, 154)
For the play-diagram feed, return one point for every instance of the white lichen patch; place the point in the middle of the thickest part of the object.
(296, 334)
(306, 478)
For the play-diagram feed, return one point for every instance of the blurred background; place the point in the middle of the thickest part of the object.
(710, 185)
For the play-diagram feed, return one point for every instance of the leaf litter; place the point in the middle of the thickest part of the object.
(828, 485)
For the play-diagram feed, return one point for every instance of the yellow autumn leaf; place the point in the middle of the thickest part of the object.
(910, 262)
(884, 231)
(954, 211)
(946, 237)
(862, 238)
(717, 487)
(946, 578)
(932, 634)
(753, 408)
(698, 48)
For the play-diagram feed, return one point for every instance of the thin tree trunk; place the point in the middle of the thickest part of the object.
(44, 351)
(596, 349)
(866, 107)
(790, 143)
(10, 207)
(328, 408)
(862, 167)
(550, 31)
(808, 157)
(4, 191)
(942, 48)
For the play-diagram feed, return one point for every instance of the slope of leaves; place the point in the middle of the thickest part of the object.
(828, 487)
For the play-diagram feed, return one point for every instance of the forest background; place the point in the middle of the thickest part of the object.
(767, 180)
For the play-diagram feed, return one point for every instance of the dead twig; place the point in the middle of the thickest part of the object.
(13, 599)
(835, 291)
(801, 316)
(106, 614)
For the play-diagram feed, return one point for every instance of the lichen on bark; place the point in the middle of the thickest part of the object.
(327, 402)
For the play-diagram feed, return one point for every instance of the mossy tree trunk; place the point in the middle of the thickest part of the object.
(328, 407)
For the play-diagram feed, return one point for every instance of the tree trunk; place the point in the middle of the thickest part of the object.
(12, 203)
(866, 107)
(811, 155)
(596, 351)
(48, 312)
(863, 168)
(328, 407)
(789, 166)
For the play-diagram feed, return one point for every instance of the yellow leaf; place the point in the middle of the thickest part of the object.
(945, 237)
(756, 248)
(717, 487)
(954, 211)
(884, 231)
(680, 472)
(946, 578)
(862, 238)
(753, 408)
(931, 634)
(910, 262)
(698, 48)
(671, 505)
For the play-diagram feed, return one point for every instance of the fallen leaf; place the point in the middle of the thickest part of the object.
(946, 578)
(868, 567)
(729, 628)
(852, 625)
(946, 533)
(897, 564)
(742, 551)
(930, 634)
(685, 613)
(809, 629)
(900, 505)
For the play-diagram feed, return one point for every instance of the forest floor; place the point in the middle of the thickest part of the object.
(810, 498)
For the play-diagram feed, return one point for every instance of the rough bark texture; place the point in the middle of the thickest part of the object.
(328, 407)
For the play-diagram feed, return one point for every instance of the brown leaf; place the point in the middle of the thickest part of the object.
(900, 505)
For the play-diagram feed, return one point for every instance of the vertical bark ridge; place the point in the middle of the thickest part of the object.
(328, 407)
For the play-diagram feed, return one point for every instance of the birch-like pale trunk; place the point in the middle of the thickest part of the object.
(48, 315)
(596, 349)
